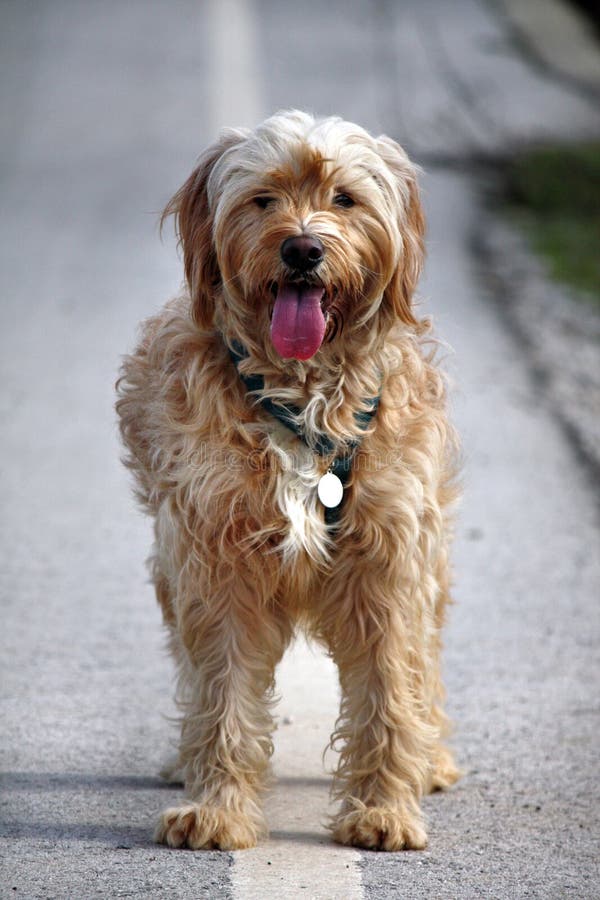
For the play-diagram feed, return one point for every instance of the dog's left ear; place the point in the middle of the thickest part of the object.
(194, 227)
(398, 296)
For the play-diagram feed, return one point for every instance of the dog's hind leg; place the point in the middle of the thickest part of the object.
(443, 770)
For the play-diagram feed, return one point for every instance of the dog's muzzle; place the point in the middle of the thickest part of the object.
(298, 323)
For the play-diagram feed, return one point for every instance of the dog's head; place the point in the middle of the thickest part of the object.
(301, 234)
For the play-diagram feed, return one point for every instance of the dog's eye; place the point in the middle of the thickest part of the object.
(263, 202)
(343, 200)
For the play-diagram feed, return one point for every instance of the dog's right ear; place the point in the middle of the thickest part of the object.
(194, 228)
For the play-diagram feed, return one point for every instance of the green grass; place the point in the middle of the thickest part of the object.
(554, 195)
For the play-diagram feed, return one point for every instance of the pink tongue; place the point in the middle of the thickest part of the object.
(298, 323)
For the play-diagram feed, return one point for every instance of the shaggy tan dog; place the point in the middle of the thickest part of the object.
(295, 351)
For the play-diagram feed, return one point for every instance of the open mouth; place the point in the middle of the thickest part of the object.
(299, 318)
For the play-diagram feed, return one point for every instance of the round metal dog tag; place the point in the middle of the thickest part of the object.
(330, 490)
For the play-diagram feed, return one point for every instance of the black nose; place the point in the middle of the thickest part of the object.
(302, 253)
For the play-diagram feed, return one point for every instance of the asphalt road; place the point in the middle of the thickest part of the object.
(105, 107)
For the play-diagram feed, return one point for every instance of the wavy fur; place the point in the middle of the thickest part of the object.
(242, 554)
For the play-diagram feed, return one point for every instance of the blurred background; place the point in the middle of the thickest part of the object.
(105, 107)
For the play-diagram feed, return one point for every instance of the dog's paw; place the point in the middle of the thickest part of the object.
(205, 828)
(172, 771)
(444, 774)
(379, 828)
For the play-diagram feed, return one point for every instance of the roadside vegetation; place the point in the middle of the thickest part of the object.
(553, 193)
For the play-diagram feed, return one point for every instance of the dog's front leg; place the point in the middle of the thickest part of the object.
(386, 739)
(229, 650)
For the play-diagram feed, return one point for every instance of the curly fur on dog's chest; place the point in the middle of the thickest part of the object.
(299, 475)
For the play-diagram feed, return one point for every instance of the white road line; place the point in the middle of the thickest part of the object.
(299, 859)
(235, 95)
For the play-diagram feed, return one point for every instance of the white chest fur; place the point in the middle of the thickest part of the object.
(297, 496)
